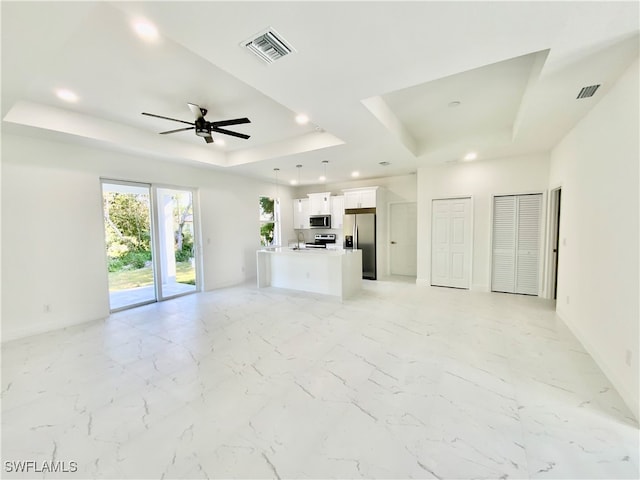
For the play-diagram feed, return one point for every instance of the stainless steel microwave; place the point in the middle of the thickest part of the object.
(320, 221)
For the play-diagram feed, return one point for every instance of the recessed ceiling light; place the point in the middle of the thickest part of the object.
(385, 164)
(455, 103)
(145, 30)
(293, 182)
(302, 119)
(66, 95)
(220, 142)
(470, 156)
(355, 174)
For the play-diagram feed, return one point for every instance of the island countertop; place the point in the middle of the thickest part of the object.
(305, 251)
(328, 271)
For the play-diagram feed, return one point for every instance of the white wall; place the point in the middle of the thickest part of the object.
(50, 220)
(398, 189)
(52, 231)
(598, 288)
(479, 180)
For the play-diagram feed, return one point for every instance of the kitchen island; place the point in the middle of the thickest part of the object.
(326, 271)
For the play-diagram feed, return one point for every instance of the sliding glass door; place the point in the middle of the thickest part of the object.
(128, 241)
(176, 234)
(150, 238)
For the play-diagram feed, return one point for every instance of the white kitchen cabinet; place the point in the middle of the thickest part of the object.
(301, 213)
(337, 211)
(351, 199)
(360, 197)
(319, 203)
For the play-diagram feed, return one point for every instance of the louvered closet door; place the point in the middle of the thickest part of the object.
(528, 246)
(504, 244)
(516, 243)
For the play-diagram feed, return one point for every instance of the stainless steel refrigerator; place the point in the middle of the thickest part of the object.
(360, 233)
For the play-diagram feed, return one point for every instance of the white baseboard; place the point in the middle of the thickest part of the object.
(18, 334)
(477, 287)
(630, 398)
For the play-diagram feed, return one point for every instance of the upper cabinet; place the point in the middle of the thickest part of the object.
(319, 203)
(326, 204)
(301, 213)
(337, 211)
(360, 197)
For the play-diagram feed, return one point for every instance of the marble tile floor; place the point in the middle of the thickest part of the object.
(402, 381)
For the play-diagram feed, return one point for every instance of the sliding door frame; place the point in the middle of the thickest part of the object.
(155, 242)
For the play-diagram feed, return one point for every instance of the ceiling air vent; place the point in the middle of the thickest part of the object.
(269, 46)
(587, 92)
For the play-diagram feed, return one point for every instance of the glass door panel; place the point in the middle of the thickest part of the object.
(176, 242)
(128, 242)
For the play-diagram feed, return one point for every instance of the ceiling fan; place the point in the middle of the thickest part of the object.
(203, 127)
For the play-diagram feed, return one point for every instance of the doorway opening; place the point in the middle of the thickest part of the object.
(150, 242)
(555, 201)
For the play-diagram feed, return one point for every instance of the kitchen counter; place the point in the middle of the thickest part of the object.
(328, 271)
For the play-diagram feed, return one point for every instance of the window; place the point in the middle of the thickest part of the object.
(269, 221)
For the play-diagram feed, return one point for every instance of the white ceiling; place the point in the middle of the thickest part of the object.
(376, 79)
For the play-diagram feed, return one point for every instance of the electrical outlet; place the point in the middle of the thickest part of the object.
(627, 358)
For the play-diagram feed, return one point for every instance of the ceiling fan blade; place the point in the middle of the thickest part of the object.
(177, 130)
(226, 123)
(208, 139)
(166, 118)
(196, 110)
(229, 132)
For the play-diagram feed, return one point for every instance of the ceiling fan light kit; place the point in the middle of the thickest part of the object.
(202, 127)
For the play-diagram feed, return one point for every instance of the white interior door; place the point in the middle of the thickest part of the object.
(516, 243)
(403, 239)
(451, 244)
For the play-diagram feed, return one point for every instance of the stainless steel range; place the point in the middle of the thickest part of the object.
(321, 240)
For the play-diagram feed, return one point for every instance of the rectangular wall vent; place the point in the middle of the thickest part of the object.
(587, 92)
(268, 46)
